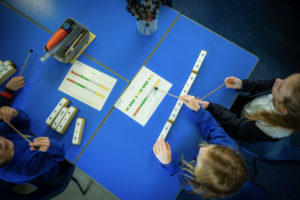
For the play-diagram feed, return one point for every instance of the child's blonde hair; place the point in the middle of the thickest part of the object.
(220, 173)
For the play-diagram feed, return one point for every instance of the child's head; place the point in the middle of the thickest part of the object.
(6, 151)
(286, 100)
(219, 171)
(286, 94)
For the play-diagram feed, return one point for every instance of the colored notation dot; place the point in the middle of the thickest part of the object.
(130, 104)
(145, 84)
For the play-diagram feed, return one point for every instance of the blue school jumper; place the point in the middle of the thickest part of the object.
(29, 165)
(210, 131)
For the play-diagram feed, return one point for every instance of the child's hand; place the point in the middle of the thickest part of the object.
(162, 151)
(43, 143)
(204, 104)
(233, 82)
(7, 113)
(190, 102)
(16, 83)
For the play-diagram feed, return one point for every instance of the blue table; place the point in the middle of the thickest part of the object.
(124, 162)
(40, 95)
(118, 43)
(120, 155)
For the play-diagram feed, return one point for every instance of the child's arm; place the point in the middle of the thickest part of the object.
(6, 97)
(174, 166)
(17, 118)
(7, 94)
(21, 121)
(237, 127)
(51, 147)
(41, 164)
(211, 131)
(248, 85)
(169, 160)
(7, 113)
(256, 86)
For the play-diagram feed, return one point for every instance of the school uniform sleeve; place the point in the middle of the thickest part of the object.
(21, 122)
(6, 97)
(211, 131)
(174, 169)
(257, 85)
(41, 162)
(174, 166)
(56, 150)
(43, 165)
(236, 127)
(21, 118)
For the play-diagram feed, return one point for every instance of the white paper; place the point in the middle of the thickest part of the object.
(87, 85)
(140, 99)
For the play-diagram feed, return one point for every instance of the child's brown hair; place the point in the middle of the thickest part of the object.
(220, 173)
(292, 103)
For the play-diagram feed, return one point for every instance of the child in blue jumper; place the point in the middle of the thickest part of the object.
(218, 171)
(20, 162)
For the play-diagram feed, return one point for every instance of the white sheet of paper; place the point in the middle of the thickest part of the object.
(88, 85)
(140, 99)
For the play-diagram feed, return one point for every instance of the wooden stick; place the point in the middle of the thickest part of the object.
(23, 136)
(212, 91)
(156, 88)
(30, 51)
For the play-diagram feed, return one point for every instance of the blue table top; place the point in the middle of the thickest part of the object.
(120, 155)
(124, 162)
(40, 95)
(118, 43)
